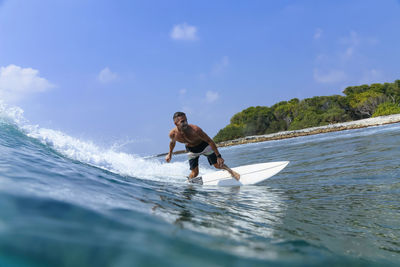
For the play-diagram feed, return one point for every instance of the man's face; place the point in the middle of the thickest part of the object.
(181, 122)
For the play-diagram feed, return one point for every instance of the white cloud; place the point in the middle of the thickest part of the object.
(318, 34)
(211, 96)
(17, 83)
(184, 32)
(332, 76)
(342, 64)
(351, 42)
(106, 75)
(221, 65)
(182, 91)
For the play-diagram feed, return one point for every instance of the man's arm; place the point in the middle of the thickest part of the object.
(171, 147)
(212, 144)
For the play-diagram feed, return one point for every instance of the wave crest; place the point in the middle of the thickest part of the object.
(89, 153)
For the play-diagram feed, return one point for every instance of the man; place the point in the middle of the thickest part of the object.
(197, 143)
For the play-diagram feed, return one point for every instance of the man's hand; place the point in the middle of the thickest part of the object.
(171, 146)
(220, 162)
(168, 157)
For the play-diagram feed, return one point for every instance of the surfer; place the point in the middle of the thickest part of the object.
(197, 143)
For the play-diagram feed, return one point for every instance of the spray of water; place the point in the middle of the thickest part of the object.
(87, 152)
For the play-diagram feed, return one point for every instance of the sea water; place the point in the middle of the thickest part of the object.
(68, 202)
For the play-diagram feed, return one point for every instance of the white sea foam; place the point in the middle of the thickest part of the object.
(89, 153)
(11, 114)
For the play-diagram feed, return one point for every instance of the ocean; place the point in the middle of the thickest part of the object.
(69, 202)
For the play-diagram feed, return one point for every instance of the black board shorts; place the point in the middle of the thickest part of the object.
(201, 149)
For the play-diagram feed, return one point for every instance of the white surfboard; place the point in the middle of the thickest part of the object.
(249, 174)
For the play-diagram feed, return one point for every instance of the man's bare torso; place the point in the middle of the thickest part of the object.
(191, 137)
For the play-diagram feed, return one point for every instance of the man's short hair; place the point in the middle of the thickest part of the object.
(178, 114)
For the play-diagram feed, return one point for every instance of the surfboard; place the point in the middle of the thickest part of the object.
(249, 174)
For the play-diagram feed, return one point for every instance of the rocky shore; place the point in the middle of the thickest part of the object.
(315, 130)
(308, 131)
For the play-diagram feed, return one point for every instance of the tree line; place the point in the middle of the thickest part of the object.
(358, 102)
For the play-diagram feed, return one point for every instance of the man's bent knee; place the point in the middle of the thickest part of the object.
(217, 166)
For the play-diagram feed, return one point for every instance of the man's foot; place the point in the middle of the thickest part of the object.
(195, 180)
(235, 175)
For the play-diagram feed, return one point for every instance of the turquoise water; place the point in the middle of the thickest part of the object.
(68, 202)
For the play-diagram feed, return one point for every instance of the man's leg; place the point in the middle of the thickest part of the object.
(194, 172)
(194, 167)
(232, 172)
(212, 159)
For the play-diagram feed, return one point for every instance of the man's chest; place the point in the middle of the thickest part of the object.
(188, 138)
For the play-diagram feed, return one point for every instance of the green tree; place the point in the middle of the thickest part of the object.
(358, 102)
(366, 102)
(386, 108)
(284, 113)
(231, 131)
(355, 89)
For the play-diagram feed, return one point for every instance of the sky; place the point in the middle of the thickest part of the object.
(114, 72)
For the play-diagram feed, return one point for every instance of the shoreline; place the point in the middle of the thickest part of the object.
(342, 126)
(350, 125)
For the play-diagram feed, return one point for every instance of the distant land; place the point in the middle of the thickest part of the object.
(376, 121)
(361, 106)
(357, 103)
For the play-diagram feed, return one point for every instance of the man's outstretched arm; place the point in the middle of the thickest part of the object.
(171, 148)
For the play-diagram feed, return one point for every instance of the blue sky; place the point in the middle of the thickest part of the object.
(114, 72)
